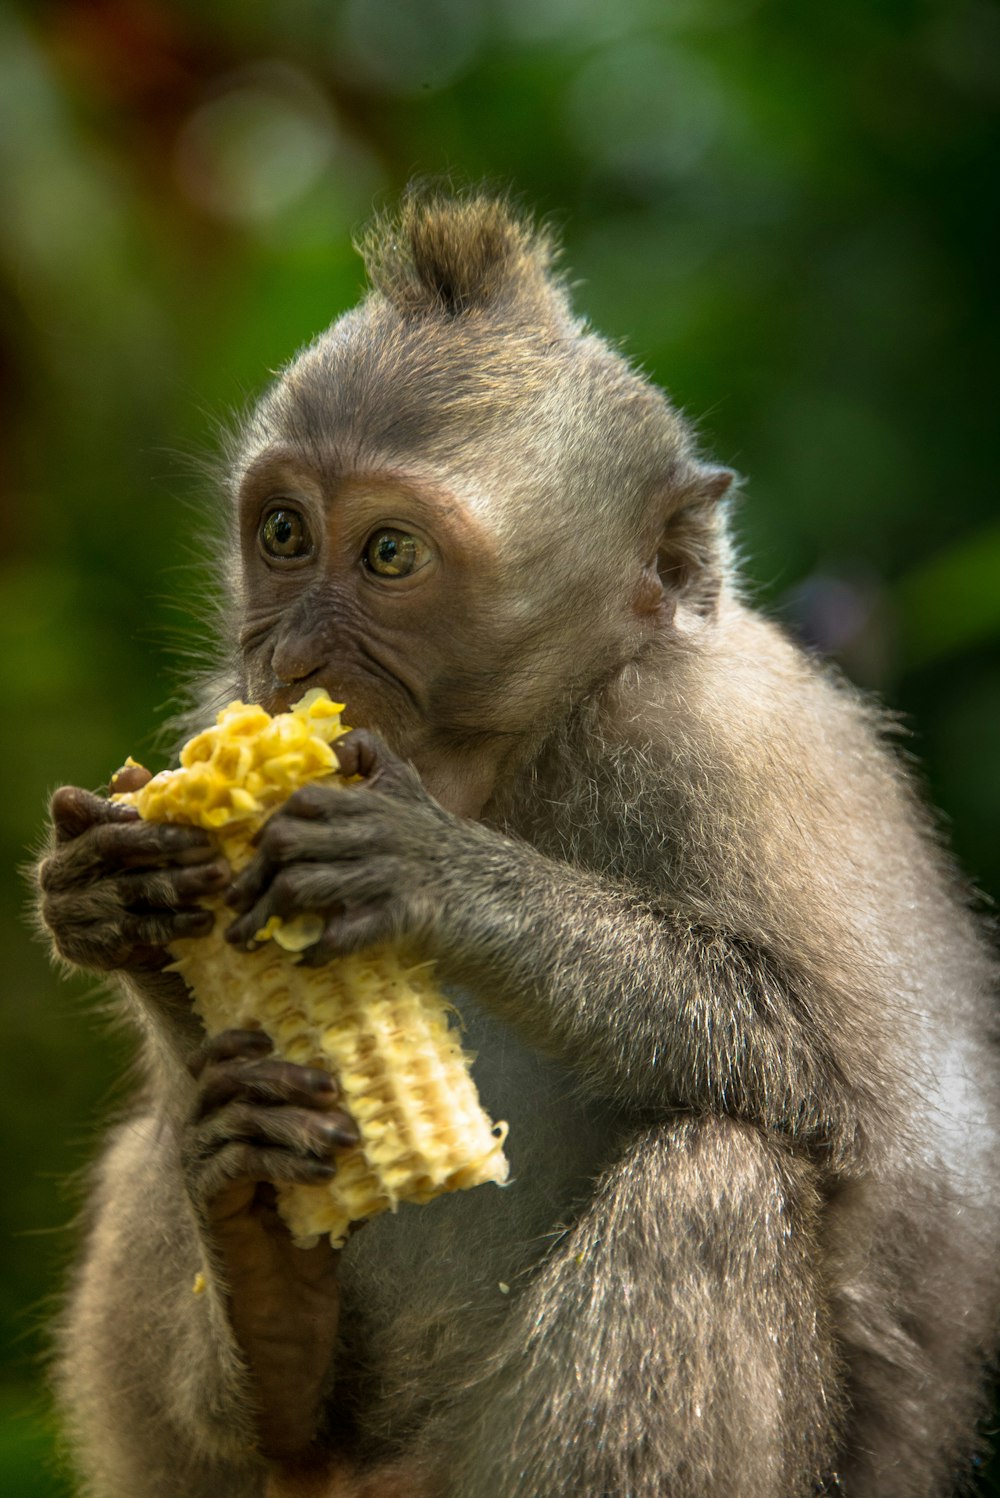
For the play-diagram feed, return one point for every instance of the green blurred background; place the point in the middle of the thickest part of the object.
(782, 210)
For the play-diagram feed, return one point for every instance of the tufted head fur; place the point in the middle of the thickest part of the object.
(451, 256)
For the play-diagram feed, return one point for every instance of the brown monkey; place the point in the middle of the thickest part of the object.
(719, 975)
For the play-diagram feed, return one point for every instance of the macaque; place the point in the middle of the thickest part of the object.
(718, 973)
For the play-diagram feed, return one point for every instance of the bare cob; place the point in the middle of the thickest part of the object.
(375, 1020)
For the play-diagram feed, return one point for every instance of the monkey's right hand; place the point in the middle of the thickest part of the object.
(115, 891)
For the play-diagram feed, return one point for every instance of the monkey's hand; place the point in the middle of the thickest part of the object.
(115, 891)
(258, 1123)
(370, 859)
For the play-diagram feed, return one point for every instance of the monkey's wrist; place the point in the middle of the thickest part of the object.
(164, 998)
(487, 899)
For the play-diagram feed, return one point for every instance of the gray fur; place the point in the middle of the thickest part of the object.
(720, 976)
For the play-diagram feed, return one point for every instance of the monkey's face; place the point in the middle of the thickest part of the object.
(384, 590)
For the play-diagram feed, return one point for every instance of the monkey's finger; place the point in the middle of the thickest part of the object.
(353, 931)
(360, 752)
(268, 1083)
(209, 1178)
(387, 774)
(170, 889)
(286, 892)
(303, 842)
(303, 1130)
(108, 847)
(312, 802)
(228, 1045)
(307, 866)
(304, 888)
(107, 951)
(153, 845)
(121, 942)
(74, 811)
(163, 927)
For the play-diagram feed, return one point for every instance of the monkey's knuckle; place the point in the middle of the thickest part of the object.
(64, 873)
(151, 930)
(159, 891)
(358, 751)
(362, 738)
(310, 799)
(207, 1141)
(209, 1171)
(280, 839)
(287, 887)
(241, 1161)
(103, 843)
(95, 952)
(77, 926)
(65, 802)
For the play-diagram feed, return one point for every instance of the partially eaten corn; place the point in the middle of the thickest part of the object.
(377, 1020)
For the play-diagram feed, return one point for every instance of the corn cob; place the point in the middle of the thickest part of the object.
(376, 1020)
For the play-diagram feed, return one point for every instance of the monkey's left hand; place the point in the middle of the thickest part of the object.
(367, 858)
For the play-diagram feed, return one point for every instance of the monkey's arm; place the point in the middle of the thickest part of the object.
(655, 1008)
(150, 1373)
(196, 1322)
(649, 1005)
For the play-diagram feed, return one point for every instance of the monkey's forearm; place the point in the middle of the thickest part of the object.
(651, 1005)
(162, 1000)
(153, 1382)
(648, 1005)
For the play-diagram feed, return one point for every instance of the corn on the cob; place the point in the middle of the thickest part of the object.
(377, 1021)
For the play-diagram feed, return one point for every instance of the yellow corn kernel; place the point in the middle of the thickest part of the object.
(376, 1020)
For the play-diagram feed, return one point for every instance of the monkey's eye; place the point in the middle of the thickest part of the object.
(284, 534)
(390, 553)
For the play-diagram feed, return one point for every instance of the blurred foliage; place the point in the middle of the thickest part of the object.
(780, 210)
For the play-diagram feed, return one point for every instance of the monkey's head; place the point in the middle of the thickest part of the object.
(458, 509)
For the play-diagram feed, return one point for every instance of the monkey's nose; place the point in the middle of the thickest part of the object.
(294, 661)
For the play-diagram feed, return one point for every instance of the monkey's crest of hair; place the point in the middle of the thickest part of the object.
(440, 254)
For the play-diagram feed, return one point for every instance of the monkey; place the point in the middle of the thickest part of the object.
(718, 969)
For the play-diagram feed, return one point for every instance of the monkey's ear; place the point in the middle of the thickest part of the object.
(690, 555)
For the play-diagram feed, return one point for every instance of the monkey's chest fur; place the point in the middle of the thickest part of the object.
(426, 1290)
